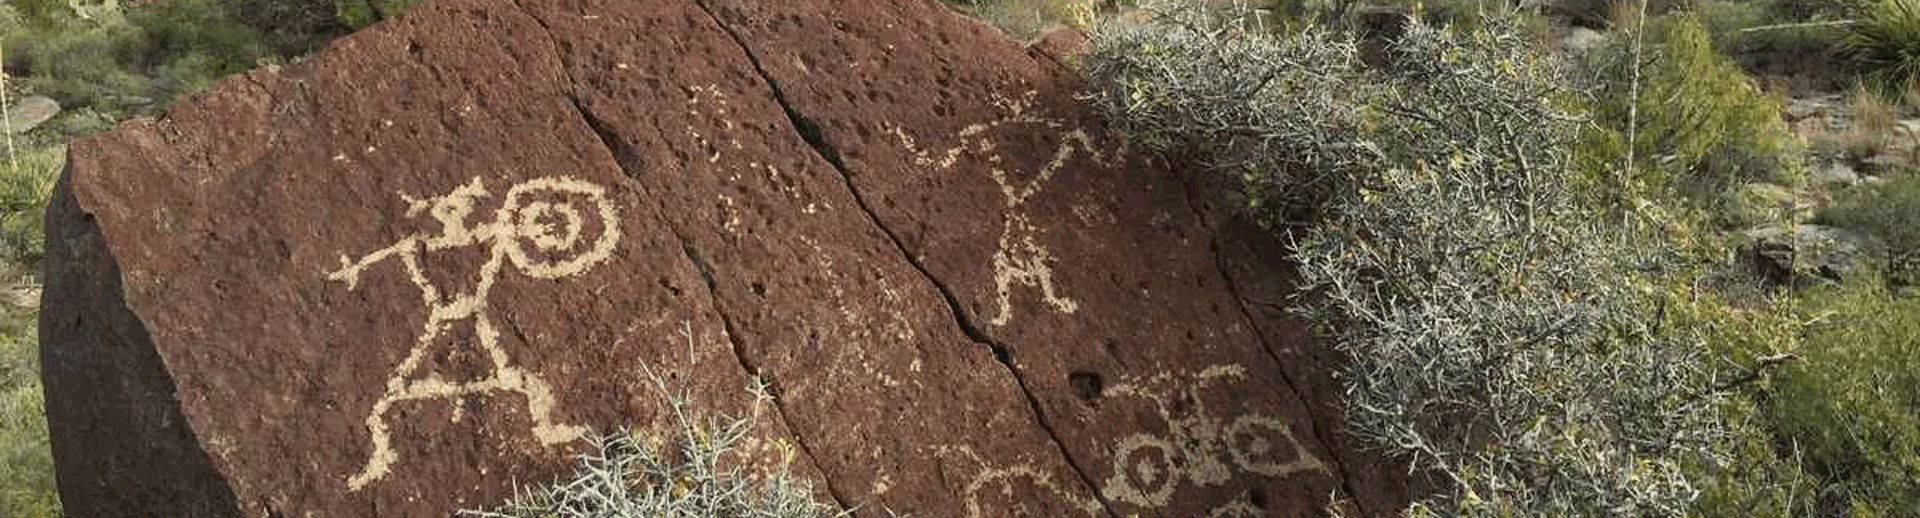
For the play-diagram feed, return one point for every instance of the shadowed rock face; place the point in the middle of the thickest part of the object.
(398, 277)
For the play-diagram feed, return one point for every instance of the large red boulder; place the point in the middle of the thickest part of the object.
(415, 269)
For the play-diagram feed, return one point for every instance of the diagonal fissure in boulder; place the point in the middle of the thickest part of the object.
(622, 154)
(739, 354)
(1320, 432)
(1239, 300)
(810, 132)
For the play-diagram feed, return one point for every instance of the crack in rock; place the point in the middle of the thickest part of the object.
(1320, 434)
(810, 132)
(621, 152)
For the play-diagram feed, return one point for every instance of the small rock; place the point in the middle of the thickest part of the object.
(1580, 40)
(1799, 109)
(1883, 162)
(1803, 255)
(1835, 173)
(31, 111)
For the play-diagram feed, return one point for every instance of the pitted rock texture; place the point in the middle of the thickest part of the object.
(416, 268)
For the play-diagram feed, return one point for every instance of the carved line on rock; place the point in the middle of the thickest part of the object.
(1002, 478)
(1148, 468)
(518, 218)
(1019, 259)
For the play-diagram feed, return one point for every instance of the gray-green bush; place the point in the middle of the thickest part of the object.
(625, 475)
(1891, 213)
(1501, 337)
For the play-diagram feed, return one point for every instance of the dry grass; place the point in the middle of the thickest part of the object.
(1873, 125)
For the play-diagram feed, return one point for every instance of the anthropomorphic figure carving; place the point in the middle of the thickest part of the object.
(550, 214)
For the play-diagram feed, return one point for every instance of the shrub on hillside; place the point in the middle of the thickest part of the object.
(25, 183)
(1501, 338)
(1885, 43)
(361, 13)
(1851, 404)
(1700, 126)
(1788, 40)
(1283, 114)
(26, 457)
(1026, 19)
(698, 475)
(134, 60)
(289, 28)
(1603, 14)
(1891, 213)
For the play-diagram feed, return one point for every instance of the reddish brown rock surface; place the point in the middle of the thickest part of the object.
(399, 277)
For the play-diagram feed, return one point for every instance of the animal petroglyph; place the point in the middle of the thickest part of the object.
(1148, 468)
(541, 228)
(1020, 259)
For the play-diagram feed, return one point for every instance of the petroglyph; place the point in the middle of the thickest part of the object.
(1236, 510)
(1020, 259)
(541, 228)
(1198, 447)
(1004, 478)
(1148, 468)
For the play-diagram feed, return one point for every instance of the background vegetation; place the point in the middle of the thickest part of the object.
(1531, 258)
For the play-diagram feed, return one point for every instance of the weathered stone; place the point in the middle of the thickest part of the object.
(1810, 254)
(1835, 173)
(1884, 163)
(1799, 108)
(398, 277)
(30, 112)
(1581, 40)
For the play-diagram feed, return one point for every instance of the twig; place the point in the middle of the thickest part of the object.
(1835, 23)
(1633, 101)
(13, 156)
(1765, 365)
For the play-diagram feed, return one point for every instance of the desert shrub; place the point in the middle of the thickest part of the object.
(1727, 310)
(136, 61)
(1780, 39)
(1603, 14)
(361, 13)
(1026, 19)
(1700, 126)
(628, 476)
(25, 183)
(1886, 43)
(26, 457)
(1293, 130)
(1890, 212)
(80, 62)
(1850, 405)
(1501, 338)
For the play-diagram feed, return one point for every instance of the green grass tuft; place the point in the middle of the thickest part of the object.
(1886, 43)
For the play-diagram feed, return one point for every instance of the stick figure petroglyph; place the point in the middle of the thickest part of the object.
(544, 212)
(1020, 258)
